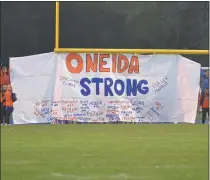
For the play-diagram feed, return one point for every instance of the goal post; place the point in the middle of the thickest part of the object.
(57, 48)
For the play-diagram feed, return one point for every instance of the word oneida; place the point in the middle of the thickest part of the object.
(97, 63)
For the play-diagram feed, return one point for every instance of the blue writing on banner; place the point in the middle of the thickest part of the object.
(130, 87)
(113, 117)
(45, 111)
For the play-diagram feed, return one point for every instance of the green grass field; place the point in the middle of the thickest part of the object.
(105, 152)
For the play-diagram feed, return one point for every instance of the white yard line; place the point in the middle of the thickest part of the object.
(121, 176)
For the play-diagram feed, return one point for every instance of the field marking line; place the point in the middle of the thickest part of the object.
(121, 176)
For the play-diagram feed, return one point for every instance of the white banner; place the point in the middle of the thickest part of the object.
(105, 88)
(32, 80)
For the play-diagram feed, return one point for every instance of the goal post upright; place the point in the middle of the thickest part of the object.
(57, 48)
(57, 24)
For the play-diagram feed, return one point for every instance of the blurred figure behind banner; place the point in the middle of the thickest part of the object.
(1, 90)
(1, 104)
(4, 76)
(205, 80)
(0, 66)
(204, 103)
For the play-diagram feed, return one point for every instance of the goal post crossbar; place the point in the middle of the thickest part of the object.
(57, 48)
(130, 51)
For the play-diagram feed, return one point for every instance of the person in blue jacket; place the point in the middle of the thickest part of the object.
(205, 82)
(205, 78)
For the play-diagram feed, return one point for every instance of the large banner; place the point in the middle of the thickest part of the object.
(105, 88)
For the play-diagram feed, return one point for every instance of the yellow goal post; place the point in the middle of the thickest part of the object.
(57, 48)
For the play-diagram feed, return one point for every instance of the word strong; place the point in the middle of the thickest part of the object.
(97, 62)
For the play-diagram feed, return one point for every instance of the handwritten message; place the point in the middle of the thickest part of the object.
(160, 84)
(68, 82)
(97, 110)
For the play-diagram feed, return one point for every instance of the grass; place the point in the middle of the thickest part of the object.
(105, 152)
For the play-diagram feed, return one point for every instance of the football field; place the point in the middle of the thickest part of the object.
(105, 152)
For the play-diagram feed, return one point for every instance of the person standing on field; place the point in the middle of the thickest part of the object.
(8, 98)
(204, 103)
(1, 104)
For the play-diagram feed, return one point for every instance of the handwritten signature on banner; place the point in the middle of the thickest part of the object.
(68, 81)
(160, 84)
(153, 113)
